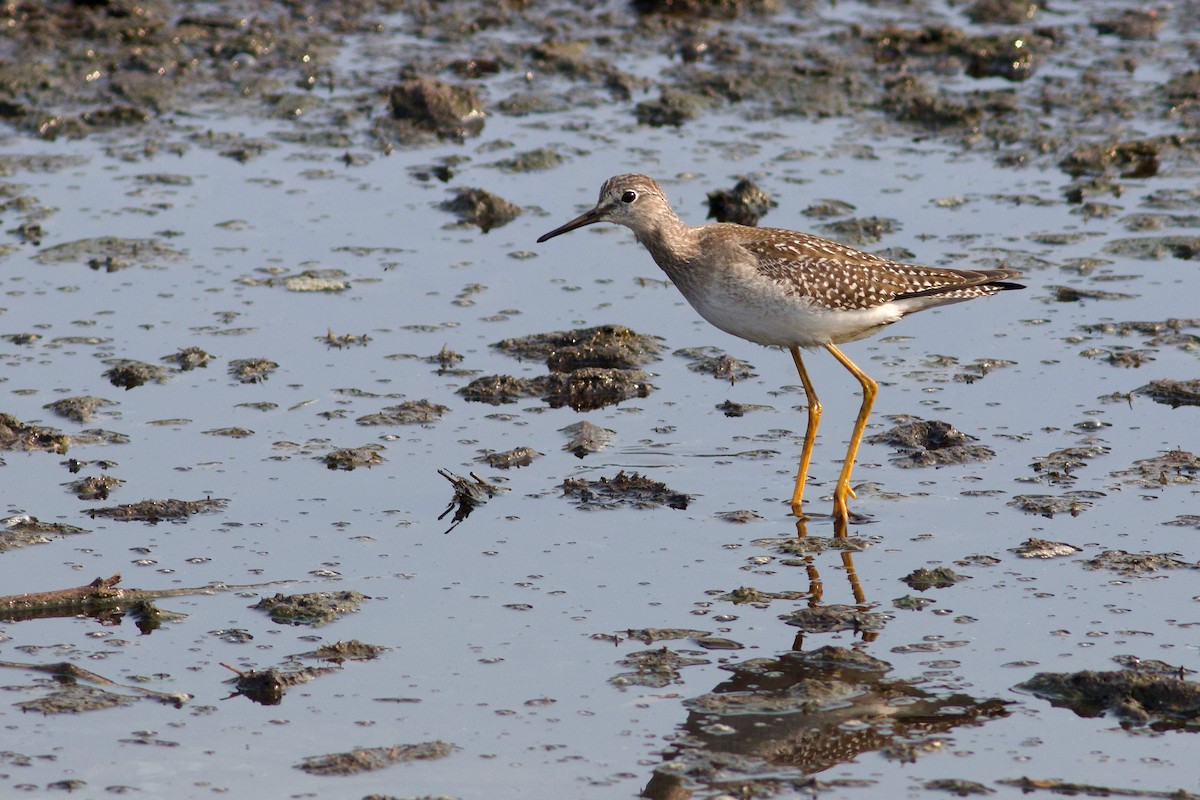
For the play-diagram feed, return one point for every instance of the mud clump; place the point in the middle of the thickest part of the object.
(746, 203)
(1131, 564)
(1173, 393)
(705, 9)
(1175, 467)
(17, 435)
(499, 390)
(445, 109)
(155, 511)
(352, 650)
(251, 370)
(586, 437)
(373, 758)
(1134, 160)
(187, 359)
(516, 457)
(94, 487)
(79, 409)
(930, 443)
(351, 458)
(1001, 12)
(481, 208)
(1073, 503)
(654, 669)
(591, 388)
(129, 374)
(837, 617)
(24, 530)
(717, 363)
(1138, 699)
(632, 490)
(613, 346)
(1041, 548)
(923, 579)
(1058, 466)
(314, 608)
(410, 412)
(590, 368)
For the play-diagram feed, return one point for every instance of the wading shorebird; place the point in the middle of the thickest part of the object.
(786, 289)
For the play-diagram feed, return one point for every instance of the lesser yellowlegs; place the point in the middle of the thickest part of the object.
(787, 289)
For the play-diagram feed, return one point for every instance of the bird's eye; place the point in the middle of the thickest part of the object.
(629, 196)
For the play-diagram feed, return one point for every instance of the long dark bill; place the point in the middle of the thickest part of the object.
(593, 216)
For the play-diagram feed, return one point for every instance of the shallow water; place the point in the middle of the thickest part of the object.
(493, 626)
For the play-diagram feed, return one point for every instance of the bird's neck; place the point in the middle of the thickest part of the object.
(671, 242)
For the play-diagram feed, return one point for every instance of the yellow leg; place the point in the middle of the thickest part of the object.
(810, 433)
(841, 509)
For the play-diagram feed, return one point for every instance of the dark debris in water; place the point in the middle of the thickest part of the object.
(1119, 356)
(75, 699)
(589, 368)
(129, 374)
(912, 603)
(499, 389)
(17, 435)
(154, 511)
(352, 650)
(623, 489)
(612, 346)
(654, 668)
(1130, 159)
(732, 409)
(313, 608)
(1058, 467)
(468, 494)
(746, 203)
(1172, 392)
(922, 579)
(740, 517)
(251, 370)
(717, 363)
(590, 388)
(1172, 468)
(775, 723)
(267, 686)
(94, 487)
(451, 111)
(586, 437)
(957, 786)
(1156, 248)
(1138, 699)
(79, 409)
(109, 253)
(344, 340)
(1042, 548)
(928, 443)
(410, 412)
(187, 359)
(748, 594)
(1124, 563)
(1073, 503)
(838, 617)
(23, 530)
(372, 758)
(481, 208)
(652, 635)
(516, 457)
(350, 458)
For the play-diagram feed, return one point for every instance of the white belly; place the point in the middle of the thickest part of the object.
(775, 319)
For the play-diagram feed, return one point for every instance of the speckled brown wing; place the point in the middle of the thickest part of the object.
(842, 278)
